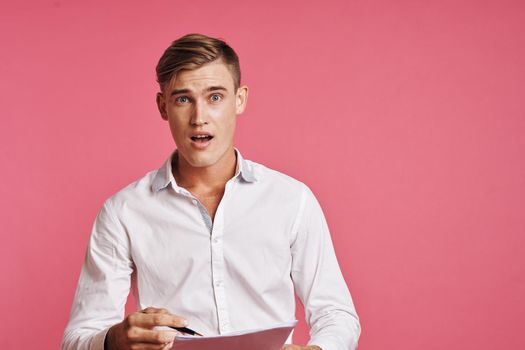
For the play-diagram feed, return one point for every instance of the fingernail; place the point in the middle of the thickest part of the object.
(185, 322)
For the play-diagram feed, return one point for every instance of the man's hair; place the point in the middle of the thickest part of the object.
(192, 51)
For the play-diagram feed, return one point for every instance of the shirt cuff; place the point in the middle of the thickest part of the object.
(98, 340)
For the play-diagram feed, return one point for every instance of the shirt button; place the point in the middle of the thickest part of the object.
(218, 283)
(194, 201)
(215, 240)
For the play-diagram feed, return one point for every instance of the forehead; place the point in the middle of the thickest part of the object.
(215, 73)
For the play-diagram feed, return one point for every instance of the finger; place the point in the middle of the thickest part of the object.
(141, 335)
(155, 310)
(153, 320)
(146, 346)
(168, 346)
(156, 319)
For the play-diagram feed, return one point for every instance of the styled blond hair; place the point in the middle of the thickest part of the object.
(192, 51)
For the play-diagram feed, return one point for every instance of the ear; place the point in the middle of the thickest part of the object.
(241, 99)
(161, 105)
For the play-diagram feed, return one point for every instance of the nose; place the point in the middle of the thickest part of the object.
(198, 115)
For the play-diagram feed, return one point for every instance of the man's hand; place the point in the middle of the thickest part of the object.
(136, 331)
(299, 347)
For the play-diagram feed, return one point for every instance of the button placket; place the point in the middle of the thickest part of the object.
(202, 210)
(217, 251)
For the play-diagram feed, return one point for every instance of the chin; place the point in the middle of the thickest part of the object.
(201, 160)
(202, 163)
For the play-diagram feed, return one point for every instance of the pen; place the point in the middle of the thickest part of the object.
(186, 330)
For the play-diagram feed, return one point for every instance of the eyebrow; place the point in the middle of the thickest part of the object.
(186, 91)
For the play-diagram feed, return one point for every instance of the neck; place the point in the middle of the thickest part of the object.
(212, 178)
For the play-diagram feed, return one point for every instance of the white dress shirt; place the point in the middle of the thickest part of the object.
(269, 237)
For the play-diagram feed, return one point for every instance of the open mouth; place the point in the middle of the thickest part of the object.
(201, 138)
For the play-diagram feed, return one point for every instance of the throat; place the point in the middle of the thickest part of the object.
(210, 201)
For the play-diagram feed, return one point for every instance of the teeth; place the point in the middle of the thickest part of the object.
(201, 137)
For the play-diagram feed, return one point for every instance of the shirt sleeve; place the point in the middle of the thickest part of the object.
(103, 285)
(319, 283)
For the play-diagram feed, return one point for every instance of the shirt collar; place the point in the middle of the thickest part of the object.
(164, 175)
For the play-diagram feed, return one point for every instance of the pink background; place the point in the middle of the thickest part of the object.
(406, 118)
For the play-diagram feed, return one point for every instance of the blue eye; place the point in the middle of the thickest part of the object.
(216, 97)
(182, 99)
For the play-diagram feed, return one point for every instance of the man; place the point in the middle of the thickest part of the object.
(210, 240)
